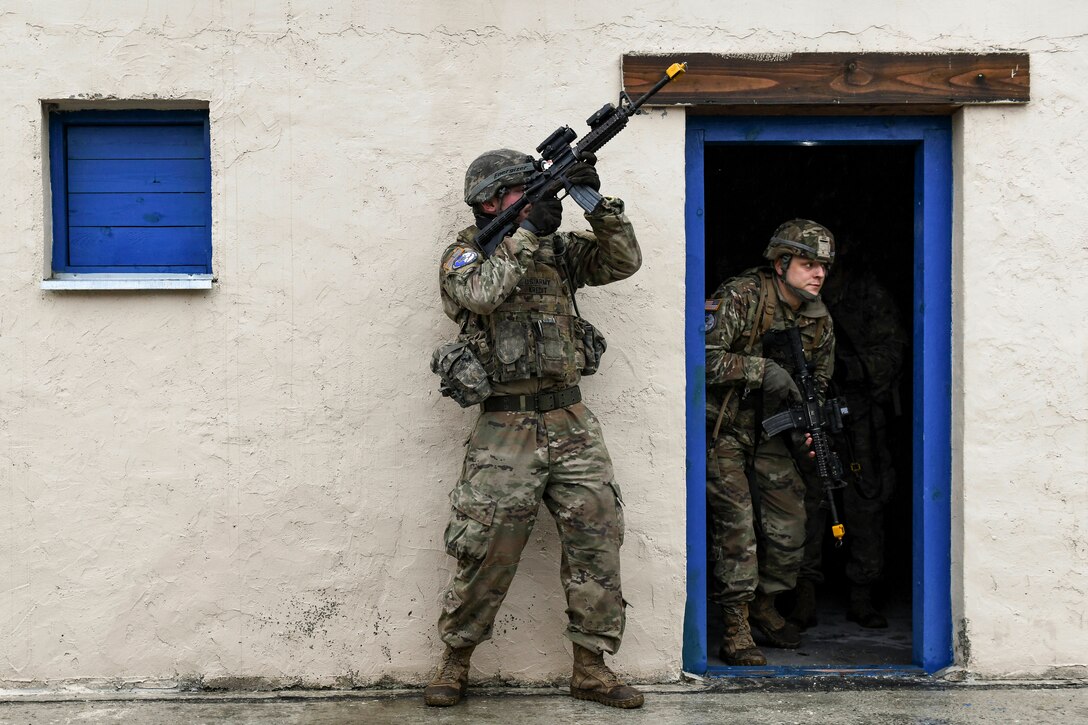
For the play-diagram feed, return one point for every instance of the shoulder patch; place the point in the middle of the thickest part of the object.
(713, 305)
(460, 257)
(466, 257)
(711, 322)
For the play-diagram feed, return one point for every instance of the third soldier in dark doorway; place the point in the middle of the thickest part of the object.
(870, 346)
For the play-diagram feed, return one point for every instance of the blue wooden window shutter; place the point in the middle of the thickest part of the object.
(131, 192)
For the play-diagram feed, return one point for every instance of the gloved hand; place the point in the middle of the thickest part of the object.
(799, 444)
(778, 387)
(584, 174)
(545, 216)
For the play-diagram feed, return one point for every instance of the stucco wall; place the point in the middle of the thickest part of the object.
(251, 482)
(1023, 390)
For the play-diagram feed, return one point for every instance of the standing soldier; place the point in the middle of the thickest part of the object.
(754, 493)
(868, 359)
(534, 440)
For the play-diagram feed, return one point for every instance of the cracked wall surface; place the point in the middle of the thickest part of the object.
(249, 485)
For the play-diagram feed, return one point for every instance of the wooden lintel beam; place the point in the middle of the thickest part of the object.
(946, 79)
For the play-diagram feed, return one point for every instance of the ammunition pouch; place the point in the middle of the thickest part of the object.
(461, 375)
(593, 345)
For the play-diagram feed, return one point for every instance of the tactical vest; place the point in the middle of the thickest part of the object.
(760, 323)
(764, 314)
(534, 333)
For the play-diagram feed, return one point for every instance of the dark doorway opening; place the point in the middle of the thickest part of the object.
(864, 193)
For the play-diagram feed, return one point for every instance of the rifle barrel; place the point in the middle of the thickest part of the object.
(496, 230)
(674, 71)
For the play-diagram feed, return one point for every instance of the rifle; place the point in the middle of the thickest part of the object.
(557, 157)
(819, 420)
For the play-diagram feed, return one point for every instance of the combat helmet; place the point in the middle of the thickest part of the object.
(494, 170)
(802, 237)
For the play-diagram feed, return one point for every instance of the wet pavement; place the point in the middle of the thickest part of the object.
(811, 701)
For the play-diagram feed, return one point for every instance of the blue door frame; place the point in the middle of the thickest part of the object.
(932, 366)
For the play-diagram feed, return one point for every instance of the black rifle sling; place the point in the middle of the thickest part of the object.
(564, 267)
(765, 314)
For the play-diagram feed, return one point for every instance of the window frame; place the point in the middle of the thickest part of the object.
(63, 274)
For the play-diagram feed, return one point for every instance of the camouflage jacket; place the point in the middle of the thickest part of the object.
(735, 325)
(517, 305)
(871, 339)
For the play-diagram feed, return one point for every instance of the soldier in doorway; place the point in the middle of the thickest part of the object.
(535, 441)
(755, 494)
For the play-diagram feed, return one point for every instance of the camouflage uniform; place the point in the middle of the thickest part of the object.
(516, 307)
(734, 374)
(869, 355)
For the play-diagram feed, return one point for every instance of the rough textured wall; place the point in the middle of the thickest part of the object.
(1024, 387)
(249, 485)
(252, 482)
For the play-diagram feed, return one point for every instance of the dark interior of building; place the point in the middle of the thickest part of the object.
(865, 195)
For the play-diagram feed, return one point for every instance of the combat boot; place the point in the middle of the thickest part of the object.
(737, 647)
(450, 682)
(775, 631)
(593, 680)
(803, 614)
(861, 608)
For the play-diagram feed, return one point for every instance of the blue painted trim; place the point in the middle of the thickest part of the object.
(59, 122)
(695, 652)
(58, 184)
(932, 485)
(208, 209)
(814, 671)
(932, 400)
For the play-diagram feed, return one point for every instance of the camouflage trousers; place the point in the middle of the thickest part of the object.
(863, 502)
(513, 463)
(741, 564)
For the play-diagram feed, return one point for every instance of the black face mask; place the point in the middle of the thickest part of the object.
(482, 219)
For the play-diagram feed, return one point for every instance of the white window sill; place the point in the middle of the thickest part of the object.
(127, 281)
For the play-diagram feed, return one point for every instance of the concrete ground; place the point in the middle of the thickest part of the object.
(802, 701)
(835, 641)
